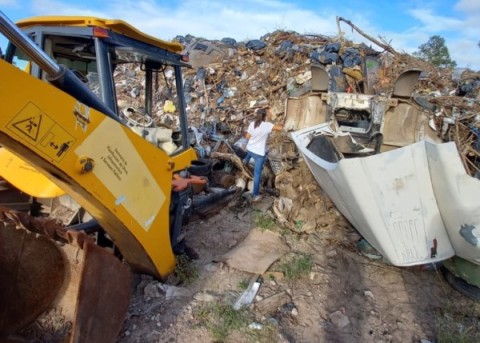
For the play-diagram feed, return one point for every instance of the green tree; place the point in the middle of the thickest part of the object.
(436, 52)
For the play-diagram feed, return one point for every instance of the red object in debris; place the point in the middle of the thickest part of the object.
(180, 183)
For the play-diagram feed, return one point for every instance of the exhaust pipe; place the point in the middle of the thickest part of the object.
(205, 203)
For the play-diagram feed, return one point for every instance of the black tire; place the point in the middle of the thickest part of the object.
(239, 151)
(462, 286)
(201, 167)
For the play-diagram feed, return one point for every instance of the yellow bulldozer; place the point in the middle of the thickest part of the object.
(64, 127)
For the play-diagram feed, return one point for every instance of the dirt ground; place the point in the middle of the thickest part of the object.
(345, 297)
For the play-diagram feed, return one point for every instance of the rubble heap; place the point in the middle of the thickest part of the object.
(230, 80)
(226, 91)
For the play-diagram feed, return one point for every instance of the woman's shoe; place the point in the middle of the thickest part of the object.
(257, 198)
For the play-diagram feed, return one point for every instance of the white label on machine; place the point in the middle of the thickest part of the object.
(123, 172)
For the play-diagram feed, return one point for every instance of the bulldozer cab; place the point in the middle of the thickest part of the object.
(109, 128)
(99, 51)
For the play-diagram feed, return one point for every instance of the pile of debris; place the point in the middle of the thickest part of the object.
(230, 80)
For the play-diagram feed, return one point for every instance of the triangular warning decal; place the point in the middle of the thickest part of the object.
(29, 126)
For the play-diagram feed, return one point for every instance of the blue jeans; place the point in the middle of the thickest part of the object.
(246, 159)
(257, 170)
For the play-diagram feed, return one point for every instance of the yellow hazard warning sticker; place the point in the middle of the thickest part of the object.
(37, 129)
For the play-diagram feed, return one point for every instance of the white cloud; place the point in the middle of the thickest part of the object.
(8, 2)
(211, 19)
(435, 23)
(460, 31)
(251, 19)
(468, 6)
(465, 52)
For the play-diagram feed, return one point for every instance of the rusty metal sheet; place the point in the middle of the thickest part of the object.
(32, 272)
(400, 125)
(305, 111)
(404, 124)
(89, 285)
(405, 83)
(319, 78)
(103, 297)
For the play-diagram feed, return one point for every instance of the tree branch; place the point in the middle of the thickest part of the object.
(386, 47)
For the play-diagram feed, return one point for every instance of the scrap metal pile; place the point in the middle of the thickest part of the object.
(230, 80)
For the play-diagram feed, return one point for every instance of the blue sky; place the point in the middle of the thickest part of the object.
(406, 24)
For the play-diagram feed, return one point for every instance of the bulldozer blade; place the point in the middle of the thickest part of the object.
(32, 272)
(103, 297)
(62, 270)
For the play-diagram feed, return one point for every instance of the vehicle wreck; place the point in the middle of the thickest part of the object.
(387, 171)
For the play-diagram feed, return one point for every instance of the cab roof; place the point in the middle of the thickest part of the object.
(116, 25)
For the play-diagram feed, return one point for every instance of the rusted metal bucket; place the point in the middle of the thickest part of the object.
(84, 283)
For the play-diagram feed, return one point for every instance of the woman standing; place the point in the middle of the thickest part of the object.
(257, 135)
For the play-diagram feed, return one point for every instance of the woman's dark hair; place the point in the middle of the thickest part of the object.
(259, 117)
